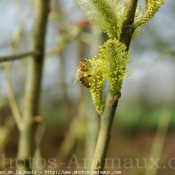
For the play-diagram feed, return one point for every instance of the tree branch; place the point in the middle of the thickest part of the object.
(12, 101)
(5, 134)
(128, 27)
(105, 130)
(27, 143)
(18, 56)
(112, 100)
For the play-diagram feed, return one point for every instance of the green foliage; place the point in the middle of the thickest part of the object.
(110, 64)
(135, 118)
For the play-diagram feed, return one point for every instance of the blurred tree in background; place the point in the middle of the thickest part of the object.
(66, 129)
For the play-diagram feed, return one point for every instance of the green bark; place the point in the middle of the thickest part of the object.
(33, 86)
(112, 100)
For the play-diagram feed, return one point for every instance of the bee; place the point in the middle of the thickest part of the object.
(82, 72)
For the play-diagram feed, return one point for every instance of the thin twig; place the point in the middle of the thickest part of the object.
(18, 56)
(40, 134)
(159, 140)
(12, 101)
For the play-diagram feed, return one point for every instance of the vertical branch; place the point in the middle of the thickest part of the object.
(12, 101)
(104, 133)
(112, 100)
(33, 87)
(159, 140)
(64, 89)
(128, 27)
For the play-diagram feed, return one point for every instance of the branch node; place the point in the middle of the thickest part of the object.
(117, 96)
(37, 119)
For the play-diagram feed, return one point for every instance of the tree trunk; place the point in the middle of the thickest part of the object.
(26, 145)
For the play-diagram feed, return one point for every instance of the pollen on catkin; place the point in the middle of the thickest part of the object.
(115, 59)
(141, 17)
(96, 82)
(152, 7)
(110, 63)
(107, 16)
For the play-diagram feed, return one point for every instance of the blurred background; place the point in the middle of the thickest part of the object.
(145, 118)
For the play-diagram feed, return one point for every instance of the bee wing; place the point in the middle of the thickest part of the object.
(76, 77)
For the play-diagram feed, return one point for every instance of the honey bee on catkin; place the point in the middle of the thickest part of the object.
(82, 72)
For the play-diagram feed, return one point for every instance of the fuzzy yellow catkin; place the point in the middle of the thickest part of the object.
(110, 65)
(112, 59)
(141, 17)
(106, 15)
(152, 7)
(115, 60)
(96, 82)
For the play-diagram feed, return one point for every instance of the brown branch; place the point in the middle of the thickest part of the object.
(128, 27)
(5, 133)
(112, 100)
(18, 56)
